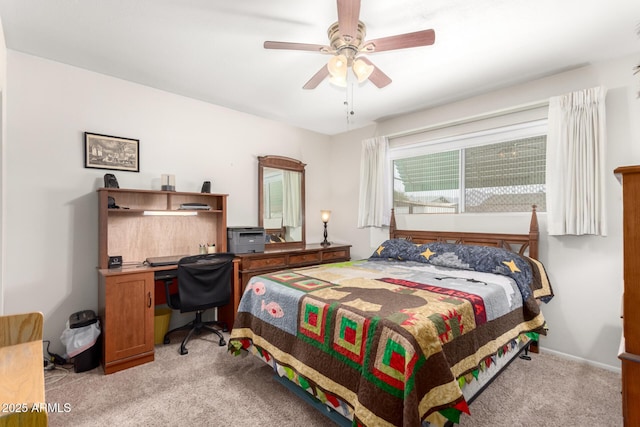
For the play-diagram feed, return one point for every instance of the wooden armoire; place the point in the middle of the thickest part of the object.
(629, 354)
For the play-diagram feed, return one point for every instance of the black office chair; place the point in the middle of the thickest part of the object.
(204, 281)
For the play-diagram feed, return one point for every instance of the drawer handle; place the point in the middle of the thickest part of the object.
(149, 303)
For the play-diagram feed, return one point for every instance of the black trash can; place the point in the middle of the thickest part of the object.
(88, 359)
(84, 345)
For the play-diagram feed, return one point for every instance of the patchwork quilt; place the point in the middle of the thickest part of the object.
(394, 335)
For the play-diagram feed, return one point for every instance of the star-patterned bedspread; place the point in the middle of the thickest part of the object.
(391, 335)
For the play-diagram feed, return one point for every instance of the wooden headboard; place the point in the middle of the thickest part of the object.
(519, 243)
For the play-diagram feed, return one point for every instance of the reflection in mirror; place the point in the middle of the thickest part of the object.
(282, 212)
(281, 200)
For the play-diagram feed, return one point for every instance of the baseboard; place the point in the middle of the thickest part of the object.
(616, 369)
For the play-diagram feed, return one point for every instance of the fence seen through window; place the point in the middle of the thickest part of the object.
(503, 177)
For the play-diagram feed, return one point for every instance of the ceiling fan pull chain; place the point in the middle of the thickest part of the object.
(352, 103)
(346, 107)
(348, 103)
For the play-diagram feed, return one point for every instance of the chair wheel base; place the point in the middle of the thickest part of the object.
(222, 343)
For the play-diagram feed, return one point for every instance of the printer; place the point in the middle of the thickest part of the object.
(244, 240)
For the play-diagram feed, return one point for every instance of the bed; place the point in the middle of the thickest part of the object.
(407, 337)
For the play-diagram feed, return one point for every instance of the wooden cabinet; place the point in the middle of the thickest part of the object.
(149, 223)
(629, 355)
(126, 307)
(272, 260)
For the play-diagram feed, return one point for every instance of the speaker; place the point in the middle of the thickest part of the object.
(110, 181)
(206, 187)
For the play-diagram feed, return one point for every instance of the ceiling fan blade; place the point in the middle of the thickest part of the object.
(377, 77)
(317, 78)
(348, 16)
(401, 41)
(297, 46)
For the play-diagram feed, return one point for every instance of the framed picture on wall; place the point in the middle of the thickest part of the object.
(111, 152)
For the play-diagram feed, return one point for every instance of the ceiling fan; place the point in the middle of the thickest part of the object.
(347, 44)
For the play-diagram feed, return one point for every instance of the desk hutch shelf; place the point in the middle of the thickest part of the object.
(126, 231)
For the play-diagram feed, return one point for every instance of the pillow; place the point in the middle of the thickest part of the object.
(528, 274)
(486, 259)
(400, 249)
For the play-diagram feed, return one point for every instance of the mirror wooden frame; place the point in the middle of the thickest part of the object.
(284, 163)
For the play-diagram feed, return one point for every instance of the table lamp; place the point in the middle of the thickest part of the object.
(325, 219)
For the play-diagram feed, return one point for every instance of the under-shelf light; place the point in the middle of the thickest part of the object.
(170, 213)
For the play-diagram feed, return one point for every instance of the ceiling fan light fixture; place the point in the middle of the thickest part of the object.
(338, 66)
(362, 70)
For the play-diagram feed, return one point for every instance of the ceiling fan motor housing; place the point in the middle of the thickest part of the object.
(346, 45)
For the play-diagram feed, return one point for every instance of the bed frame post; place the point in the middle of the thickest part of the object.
(534, 234)
(392, 224)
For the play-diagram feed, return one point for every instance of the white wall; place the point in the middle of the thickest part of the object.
(586, 272)
(51, 204)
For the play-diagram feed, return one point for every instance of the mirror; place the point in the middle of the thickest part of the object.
(281, 200)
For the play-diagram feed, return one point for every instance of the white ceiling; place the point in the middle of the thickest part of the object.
(212, 50)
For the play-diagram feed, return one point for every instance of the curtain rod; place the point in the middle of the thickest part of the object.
(471, 119)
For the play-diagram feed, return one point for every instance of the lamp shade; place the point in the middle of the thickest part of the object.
(362, 70)
(325, 215)
(338, 66)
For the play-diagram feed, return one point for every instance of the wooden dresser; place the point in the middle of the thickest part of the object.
(281, 259)
(629, 177)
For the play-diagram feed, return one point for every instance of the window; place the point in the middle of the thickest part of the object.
(502, 170)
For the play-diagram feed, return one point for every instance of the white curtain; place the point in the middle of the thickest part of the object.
(374, 208)
(291, 191)
(576, 163)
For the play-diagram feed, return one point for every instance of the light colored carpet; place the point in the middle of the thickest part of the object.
(210, 387)
(549, 391)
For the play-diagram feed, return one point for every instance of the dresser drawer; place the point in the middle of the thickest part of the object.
(342, 254)
(266, 262)
(309, 258)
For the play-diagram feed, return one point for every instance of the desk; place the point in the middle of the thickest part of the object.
(127, 298)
